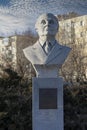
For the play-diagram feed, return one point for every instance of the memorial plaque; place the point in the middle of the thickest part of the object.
(48, 98)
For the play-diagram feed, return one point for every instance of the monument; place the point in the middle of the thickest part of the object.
(47, 57)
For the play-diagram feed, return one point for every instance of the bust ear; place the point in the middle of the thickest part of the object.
(58, 27)
(36, 27)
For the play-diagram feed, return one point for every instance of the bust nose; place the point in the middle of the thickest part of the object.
(47, 23)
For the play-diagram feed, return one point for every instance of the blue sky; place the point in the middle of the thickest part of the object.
(17, 16)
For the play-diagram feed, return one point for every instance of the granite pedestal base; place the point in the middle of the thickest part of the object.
(47, 104)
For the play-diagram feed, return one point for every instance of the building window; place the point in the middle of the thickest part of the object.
(82, 23)
(67, 24)
(81, 45)
(72, 24)
(5, 41)
(12, 39)
(3, 49)
(81, 34)
(86, 33)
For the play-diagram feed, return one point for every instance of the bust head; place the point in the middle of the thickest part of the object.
(47, 25)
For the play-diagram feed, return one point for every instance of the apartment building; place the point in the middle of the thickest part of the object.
(8, 49)
(11, 53)
(73, 33)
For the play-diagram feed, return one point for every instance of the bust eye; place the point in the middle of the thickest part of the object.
(51, 22)
(43, 22)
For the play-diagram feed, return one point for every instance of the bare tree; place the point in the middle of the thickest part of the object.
(74, 69)
(24, 67)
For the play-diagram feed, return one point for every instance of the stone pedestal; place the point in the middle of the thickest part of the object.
(47, 104)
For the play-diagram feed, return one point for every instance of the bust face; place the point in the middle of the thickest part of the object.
(47, 25)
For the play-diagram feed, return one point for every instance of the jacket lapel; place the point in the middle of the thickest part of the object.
(38, 50)
(56, 50)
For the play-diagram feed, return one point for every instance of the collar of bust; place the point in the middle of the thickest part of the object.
(42, 42)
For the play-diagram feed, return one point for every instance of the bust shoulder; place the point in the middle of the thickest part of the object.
(36, 55)
(29, 48)
(32, 53)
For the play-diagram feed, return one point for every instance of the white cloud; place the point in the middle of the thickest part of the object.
(20, 15)
(9, 25)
